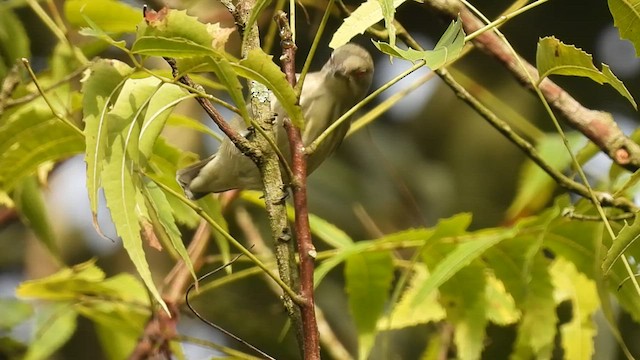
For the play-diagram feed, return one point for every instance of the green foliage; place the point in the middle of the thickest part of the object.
(512, 275)
(627, 20)
(555, 58)
(448, 48)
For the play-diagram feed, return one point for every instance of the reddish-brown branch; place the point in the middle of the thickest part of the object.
(598, 126)
(306, 250)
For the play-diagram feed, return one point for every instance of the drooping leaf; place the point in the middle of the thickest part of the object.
(538, 326)
(100, 87)
(158, 110)
(368, 281)
(629, 234)
(30, 203)
(109, 15)
(161, 213)
(31, 136)
(555, 58)
(259, 67)
(405, 315)
(461, 256)
(121, 180)
(627, 19)
(388, 12)
(577, 334)
(366, 15)
(448, 48)
(55, 323)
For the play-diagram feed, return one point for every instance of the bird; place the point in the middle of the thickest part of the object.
(326, 95)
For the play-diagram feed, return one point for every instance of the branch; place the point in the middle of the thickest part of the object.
(598, 126)
(274, 191)
(306, 250)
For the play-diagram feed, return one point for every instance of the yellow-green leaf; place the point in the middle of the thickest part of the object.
(109, 15)
(366, 15)
(55, 323)
(555, 58)
(368, 281)
(448, 48)
(627, 19)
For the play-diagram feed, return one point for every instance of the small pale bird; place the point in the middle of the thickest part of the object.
(326, 95)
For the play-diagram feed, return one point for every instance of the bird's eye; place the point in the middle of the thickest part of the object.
(360, 72)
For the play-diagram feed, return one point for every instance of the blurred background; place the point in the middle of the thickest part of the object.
(427, 158)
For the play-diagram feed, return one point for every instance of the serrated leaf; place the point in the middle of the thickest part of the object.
(627, 19)
(121, 181)
(177, 24)
(388, 12)
(31, 136)
(366, 15)
(168, 47)
(109, 15)
(501, 307)
(577, 334)
(629, 234)
(368, 281)
(161, 209)
(555, 58)
(100, 87)
(462, 256)
(258, 66)
(538, 326)
(32, 209)
(448, 48)
(535, 186)
(158, 110)
(405, 315)
(55, 324)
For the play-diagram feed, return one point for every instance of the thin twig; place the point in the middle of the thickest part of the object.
(306, 250)
(598, 126)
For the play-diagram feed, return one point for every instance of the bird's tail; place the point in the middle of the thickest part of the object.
(186, 175)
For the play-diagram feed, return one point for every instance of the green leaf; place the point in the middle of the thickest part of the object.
(181, 120)
(100, 87)
(366, 15)
(14, 42)
(259, 67)
(538, 326)
(535, 186)
(160, 209)
(177, 24)
(121, 180)
(627, 19)
(168, 47)
(14, 312)
(31, 136)
(460, 257)
(368, 281)
(577, 334)
(32, 209)
(388, 12)
(501, 308)
(405, 315)
(625, 239)
(448, 48)
(55, 324)
(109, 15)
(555, 58)
(160, 106)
